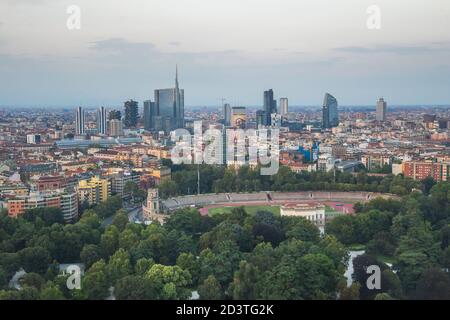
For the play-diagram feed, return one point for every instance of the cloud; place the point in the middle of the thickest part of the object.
(411, 49)
(175, 43)
(124, 52)
(26, 2)
(121, 45)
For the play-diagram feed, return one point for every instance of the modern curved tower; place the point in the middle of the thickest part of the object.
(330, 115)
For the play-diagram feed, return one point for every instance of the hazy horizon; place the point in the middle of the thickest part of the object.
(224, 49)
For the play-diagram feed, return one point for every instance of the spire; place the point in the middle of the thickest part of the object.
(176, 77)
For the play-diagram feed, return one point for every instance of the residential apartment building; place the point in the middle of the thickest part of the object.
(94, 191)
(419, 170)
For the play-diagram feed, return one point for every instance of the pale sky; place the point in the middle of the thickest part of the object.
(233, 49)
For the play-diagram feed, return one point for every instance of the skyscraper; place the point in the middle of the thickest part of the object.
(227, 114)
(101, 120)
(270, 106)
(115, 128)
(284, 106)
(260, 117)
(381, 110)
(149, 115)
(169, 104)
(79, 121)
(131, 114)
(330, 116)
(115, 114)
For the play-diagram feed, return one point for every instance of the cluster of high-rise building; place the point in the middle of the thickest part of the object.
(165, 113)
(49, 160)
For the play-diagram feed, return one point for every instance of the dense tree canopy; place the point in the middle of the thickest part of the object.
(236, 255)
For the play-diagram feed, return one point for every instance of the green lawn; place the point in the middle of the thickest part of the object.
(386, 259)
(331, 212)
(356, 247)
(250, 210)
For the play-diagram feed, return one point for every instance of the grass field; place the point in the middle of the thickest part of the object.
(250, 209)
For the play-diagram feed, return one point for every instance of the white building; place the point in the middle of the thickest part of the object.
(312, 212)
(284, 106)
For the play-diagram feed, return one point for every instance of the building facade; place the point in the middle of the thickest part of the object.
(381, 110)
(227, 114)
(115, 128)
(169, 104)
(270, 106)
(284, 106)
(419, 170)
(79, 121)
(312, 212)
(150, 113)
(94, 191)
(238, 117)
(131, 114)
(330, 115)
(101, 121)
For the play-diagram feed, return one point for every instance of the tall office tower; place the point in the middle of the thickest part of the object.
(227, 114)
(169, 104)
(115, 128)
(101, 120)
(381, 110)
(149, 115)
(115, 114)
(330, 116)
(79, 121)
(260, 117)
(131, 114)
(284, 106)
(270, 106)
(238, 117)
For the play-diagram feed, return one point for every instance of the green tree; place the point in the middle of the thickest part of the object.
(133, 287)
(95, 284)
(109, 242)
(170, 282)
(187, 261)
(32, 280)
(433, 284)
(343, 228)
(34, 259)
(302, 229)
(120, 220)
(119, 265)
(244, 282)
(350, 293)
(90, 254)
(210, 289)
(51, 292)
(143, 265)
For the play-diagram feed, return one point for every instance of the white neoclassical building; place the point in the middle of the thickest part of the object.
(312, 212)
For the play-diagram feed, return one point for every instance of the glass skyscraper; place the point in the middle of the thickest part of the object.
(330, 115)
(101, 120)
(149, 115)
(79, 121)
(270, 106)
(169, 105)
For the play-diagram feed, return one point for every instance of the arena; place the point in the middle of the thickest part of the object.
(340, 201)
